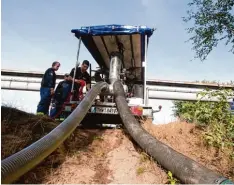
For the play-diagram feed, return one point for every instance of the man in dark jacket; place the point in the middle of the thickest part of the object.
(47, 88)
(61, 94)
(81, 74)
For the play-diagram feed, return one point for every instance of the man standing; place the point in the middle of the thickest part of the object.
(81, 75)
(47, 88)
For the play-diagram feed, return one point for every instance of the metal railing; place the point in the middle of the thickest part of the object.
(149, 82)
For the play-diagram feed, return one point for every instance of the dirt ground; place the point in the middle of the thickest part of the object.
(20, 129)
(103, 156)
(187, 139)
(99, 157)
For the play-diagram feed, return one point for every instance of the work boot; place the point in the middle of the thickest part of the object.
(40, 114)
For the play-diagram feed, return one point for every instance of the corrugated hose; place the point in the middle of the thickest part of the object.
(21, 162)
(185, 169)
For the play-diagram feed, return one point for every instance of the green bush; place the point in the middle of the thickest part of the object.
(214, 117)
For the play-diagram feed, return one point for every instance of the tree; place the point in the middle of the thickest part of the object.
(213, 21)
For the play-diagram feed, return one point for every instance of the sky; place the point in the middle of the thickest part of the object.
(36, 33)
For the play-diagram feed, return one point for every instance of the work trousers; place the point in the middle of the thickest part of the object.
(44, 104)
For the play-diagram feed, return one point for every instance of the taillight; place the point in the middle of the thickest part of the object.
(137, 110)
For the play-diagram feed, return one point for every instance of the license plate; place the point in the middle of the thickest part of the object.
(106, 110)
(68, 108)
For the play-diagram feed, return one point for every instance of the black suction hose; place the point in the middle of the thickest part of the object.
(21, 162)
(185, 169)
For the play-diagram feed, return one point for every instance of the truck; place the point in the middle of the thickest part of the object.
(120, 52)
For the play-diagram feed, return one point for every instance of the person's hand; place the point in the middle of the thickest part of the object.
(77, 81)
(88, 87)
(52, 91)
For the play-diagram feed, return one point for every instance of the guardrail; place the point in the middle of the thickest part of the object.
(150, 82)
(152, 92)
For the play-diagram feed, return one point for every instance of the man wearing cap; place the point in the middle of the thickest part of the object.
(81, 76)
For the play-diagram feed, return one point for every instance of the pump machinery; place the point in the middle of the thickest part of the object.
(120, 52)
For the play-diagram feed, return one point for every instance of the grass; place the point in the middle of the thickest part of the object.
(144, 157)
(171, 179)
(20, 129)
(140, 170)
(100, 138)
(99, 153)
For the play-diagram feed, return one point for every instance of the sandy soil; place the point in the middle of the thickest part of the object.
(97, 157)
(104, 156)
(187, 139)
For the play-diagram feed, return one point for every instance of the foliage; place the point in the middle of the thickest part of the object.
(214, 117)
(213, 22)
(171, 179)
